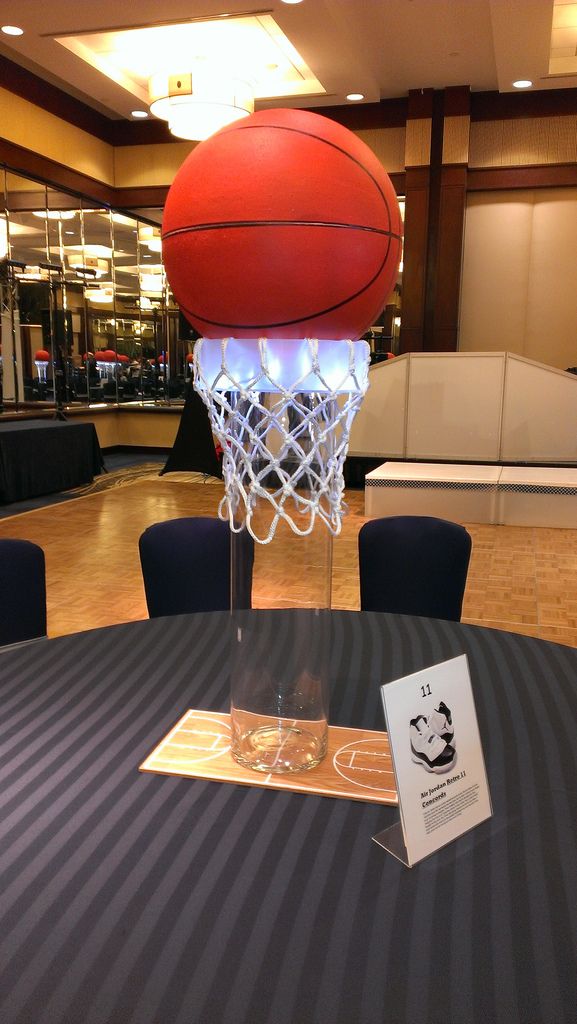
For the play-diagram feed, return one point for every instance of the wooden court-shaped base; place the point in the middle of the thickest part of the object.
(357, 766)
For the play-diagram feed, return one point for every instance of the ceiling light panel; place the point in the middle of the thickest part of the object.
(562, 57)
(564, 15)
(252, 47)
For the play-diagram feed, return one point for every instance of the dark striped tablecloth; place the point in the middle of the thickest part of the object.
(137, 899)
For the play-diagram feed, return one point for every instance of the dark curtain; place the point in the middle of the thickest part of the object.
(193, 450)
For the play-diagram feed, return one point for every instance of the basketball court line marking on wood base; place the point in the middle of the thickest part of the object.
(198, 746)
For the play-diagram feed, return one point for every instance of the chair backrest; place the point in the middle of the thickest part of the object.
(22, 591)
(186, 566)
(414, 565)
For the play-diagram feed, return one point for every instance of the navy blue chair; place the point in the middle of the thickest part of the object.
(414, 565)
(186, 566)
(22, 591)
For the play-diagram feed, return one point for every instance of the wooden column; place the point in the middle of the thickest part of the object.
(446, 222)
(436, 155)
(417, 189)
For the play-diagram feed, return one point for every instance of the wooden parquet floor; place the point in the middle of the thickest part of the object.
(520, 579)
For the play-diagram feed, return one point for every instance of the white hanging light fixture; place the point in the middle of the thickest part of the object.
(88, 266)
(151, 284)
(55, 214)
(150, 237)
(199, 102)
(103, 295)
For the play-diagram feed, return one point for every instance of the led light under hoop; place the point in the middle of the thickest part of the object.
(282, 408)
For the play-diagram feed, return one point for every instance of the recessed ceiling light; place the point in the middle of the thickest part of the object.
(12, 30)
(355, 96)
(522, 83)
(139, 113)
(292, 1)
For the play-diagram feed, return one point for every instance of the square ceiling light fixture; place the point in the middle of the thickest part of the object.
(202, 74)
(563, 54)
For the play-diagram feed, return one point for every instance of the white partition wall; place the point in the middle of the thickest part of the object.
(539, 413)
(380, 426)
(454, 406)
(468, 407)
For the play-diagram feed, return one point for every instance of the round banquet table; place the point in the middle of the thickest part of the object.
(132, 898)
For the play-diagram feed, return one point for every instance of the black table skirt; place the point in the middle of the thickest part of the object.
(128, 898)
(45, 456)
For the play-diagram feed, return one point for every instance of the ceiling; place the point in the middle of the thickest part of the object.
(381, 48)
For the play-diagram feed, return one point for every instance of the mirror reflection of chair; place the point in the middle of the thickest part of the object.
(22, 591)
(186, 566)
(414, 565)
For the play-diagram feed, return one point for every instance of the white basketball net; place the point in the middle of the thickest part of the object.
(284, 441)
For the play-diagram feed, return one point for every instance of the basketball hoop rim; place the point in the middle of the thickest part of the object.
(298, 365)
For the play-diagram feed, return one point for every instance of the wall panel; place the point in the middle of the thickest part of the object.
(454, 407)
(388, 144)
(33, 128)
(519, 278)
(140, 166)
(473, 407)
(418, 142)
(539, 414)
(456, 139)
(516, 142)
(380, 425)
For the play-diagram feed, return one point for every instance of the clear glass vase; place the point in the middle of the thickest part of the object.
(279, 666)
(282, 410)
(279, 690)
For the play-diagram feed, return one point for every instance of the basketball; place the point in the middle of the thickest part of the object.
(284, 224)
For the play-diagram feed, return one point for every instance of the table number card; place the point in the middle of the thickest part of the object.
(437, 760)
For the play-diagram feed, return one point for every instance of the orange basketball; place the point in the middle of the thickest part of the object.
(283, 224)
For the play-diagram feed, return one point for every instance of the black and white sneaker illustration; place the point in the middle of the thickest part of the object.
(440, 721)
(428, 749)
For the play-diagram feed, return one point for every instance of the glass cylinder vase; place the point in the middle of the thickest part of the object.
(279, 659)
(279, 685)
(282, 410)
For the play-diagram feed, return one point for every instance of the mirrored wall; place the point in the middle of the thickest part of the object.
(87, 317)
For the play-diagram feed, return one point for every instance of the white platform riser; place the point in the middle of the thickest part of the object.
(507, 495)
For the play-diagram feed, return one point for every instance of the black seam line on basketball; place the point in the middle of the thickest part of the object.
(298, 320)
(188, 229)
(317, 138)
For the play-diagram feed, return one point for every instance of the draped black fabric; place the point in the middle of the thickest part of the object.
(193, 449)
(131, 898)
(45, 456)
